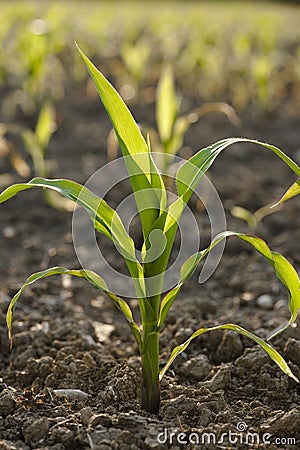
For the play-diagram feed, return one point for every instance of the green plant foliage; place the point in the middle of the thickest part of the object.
(36, 142)
(290, 193)
(171, 126)
(94, 279)
(162, 218)
(229, 326)
(256, 63)
(253, 219)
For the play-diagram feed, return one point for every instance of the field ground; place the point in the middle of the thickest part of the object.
(68, 336)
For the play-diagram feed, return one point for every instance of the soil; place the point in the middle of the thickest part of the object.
(69, 337)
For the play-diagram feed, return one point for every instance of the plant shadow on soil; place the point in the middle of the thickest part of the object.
(67, 336)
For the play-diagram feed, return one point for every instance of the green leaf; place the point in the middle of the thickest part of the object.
(181, 126)
(166, 105)
(253, 219)
(124, 124)
(274, 355)
(94, 279)
(104, 218)
(286, 274)
(44, 127)
(241, 213)
(144, 175)
(290, 193)
(289, 277)
(187, 178)
(283, 269)
(35, 151)
(190, 173)
(167, 303)
(185, 121)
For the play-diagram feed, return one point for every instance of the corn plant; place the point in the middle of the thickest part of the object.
(162, 217)
(173, 126)
(36, 143)
(253, 219)
(135, 57)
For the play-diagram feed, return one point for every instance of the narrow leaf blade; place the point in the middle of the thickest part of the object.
(45, 125)
(166, 104)
(124, 124)
(274, 355)
(283, 270)
(190, 173)
(142, 170)
(94, 279)
(105, 219)
(290, 193)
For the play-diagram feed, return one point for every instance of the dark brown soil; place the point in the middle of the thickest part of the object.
(67, 336)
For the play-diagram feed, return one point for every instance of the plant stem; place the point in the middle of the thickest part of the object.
(150, 369)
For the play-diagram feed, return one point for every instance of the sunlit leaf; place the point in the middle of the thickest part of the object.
(290, 193)
(190, 173)
(274, 355)
(105, 219)
(94, 279)
(144, 175)
(166, 105)
(283, 270)
(45, 125)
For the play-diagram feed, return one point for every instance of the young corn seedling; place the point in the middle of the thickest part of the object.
(160, 218)
(253, 219)
(172, 126)
(135, 57)
(36, 143)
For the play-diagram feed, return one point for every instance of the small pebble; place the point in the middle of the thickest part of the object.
(9, 232)
(265, 301)
(72, 394)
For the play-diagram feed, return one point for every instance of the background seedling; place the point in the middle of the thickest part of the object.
(135, 57)
(36, 143)
(172, 126)
(159, 217)
(253, 219)
(246, 54)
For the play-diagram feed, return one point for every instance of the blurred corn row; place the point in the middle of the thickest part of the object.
(237, 52)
